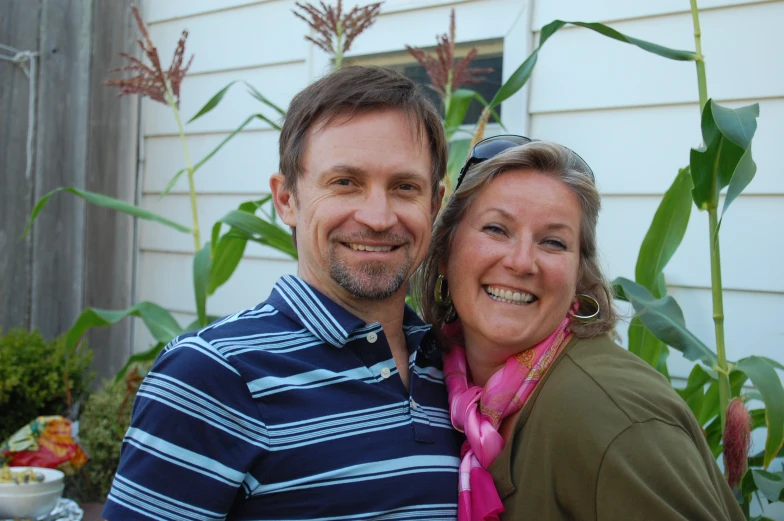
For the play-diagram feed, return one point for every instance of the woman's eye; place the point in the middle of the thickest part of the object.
(493, 228)
(556, 243)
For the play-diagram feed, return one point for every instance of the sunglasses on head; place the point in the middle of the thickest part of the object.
(492, 146)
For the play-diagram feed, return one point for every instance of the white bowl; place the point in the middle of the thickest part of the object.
(31, 499)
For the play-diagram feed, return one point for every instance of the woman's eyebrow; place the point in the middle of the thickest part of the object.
(506, 215)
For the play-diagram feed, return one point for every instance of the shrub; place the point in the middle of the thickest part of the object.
(33, 376)
(103, 422)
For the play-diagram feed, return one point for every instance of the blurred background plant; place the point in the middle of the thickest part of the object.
(104, 419)
(335, 30)
(448, 76)
(37, 379)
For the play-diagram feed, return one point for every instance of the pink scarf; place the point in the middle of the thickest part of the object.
(478, 411)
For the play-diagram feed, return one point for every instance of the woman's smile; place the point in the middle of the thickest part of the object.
(509, 296)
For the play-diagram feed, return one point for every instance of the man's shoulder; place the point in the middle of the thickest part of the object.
(261, 328)
(263, 319)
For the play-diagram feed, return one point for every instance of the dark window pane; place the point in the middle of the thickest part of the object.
(487, 88)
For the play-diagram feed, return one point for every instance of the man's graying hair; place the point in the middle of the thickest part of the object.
(545, 158)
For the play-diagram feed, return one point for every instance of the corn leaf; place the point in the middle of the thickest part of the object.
(770, 484)
(666, 232)
(521, 76)
(694, 393)
(212, 103)
(256, 94)
(145, 356)
(664, 318)
(106, 202)
(726, 154)
(259, 230)
(226, 258)
(161, 324)
(764, 377)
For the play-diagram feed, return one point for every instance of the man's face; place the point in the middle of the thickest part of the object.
(364, 206)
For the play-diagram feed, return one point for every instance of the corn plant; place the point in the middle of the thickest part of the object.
(215, 260)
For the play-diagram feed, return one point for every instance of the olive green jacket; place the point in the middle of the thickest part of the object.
(604, 437)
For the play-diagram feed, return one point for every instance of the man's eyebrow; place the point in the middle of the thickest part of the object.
(341, 168)
(347, 169)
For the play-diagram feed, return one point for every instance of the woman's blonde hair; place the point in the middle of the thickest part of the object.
(545, 158)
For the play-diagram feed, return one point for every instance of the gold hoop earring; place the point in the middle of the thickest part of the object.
(441, 299)
(586, 318)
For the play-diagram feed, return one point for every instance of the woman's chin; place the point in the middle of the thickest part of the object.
(505, 333)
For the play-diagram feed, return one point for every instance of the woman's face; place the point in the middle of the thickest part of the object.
(513, 263)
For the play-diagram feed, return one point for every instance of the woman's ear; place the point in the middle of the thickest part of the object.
(284, 200)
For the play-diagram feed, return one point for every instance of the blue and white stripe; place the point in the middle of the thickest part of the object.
(287, 411)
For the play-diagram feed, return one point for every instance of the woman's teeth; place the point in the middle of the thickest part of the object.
(510, 297)
(362, 247)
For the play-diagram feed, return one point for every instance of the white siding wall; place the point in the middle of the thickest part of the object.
(634, 116)
(631, 115)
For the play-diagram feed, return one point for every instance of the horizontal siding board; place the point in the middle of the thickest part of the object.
(253, 36)
(639, 150)
(579, 69)
(156, 11)
(167, 280)
(162, 10)
(279, 83)
(546, 11)
(243, 165)
(155, 237)
(474, 21)
(752, 324)
(750, 255)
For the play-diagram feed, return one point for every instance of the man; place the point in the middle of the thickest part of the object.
(327, 400)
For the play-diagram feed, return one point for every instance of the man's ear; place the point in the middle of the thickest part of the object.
(436, 207)
(284, 201)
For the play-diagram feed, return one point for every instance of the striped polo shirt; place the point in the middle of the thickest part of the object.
(291, 410)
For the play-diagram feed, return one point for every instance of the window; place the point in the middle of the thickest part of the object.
(490, 55)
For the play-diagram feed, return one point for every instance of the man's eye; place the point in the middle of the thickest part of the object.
(407, 187)
(343, 182)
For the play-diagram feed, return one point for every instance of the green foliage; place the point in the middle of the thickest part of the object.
(104, 420)
(33, 378)
(106, 202)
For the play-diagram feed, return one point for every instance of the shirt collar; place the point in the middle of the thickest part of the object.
(328, 321)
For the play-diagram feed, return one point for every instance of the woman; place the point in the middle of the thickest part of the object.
(560, 422)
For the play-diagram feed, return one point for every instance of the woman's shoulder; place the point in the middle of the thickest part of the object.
(602, 385)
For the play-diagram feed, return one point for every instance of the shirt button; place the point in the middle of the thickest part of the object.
(372, 337)
(385, 372)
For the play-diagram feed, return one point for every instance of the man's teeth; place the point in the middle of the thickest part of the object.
(362, 247)
(510, 297)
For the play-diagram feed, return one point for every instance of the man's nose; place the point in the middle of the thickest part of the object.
(521, 257)
(376, 211)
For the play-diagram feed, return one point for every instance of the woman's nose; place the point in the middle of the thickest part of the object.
(376, 211)
(521, 257)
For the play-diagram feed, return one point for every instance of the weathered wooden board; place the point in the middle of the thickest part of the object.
(110, 252)
(19, 23)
